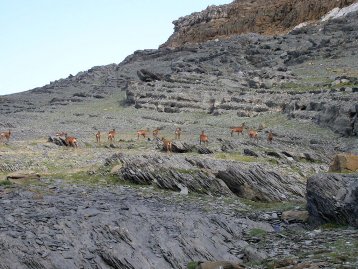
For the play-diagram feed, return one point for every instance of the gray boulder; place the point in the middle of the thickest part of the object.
(333, 198)
(259, 184)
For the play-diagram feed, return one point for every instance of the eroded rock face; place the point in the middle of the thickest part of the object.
(245, 74)
(244, 16)
(210, 176)
(333, 198)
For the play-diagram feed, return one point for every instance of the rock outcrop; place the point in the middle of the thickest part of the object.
(333, 198)
(209, 176)
(344, 162)
(250, 74)
(245, 16)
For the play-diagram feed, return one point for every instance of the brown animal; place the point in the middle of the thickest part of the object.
(177, 133)
(253, 135)
(270, 137)
(98, 137)
(111, 135)
(71, 141)
(155, 133)
(5, 135)
(167, 145)
(219, 265)
(203, 138)
(142, 133)
(238, 130)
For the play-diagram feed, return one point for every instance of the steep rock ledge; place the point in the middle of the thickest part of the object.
(245, 16)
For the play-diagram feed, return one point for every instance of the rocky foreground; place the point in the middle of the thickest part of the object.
(57, 225)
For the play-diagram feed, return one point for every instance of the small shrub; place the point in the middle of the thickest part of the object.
(256, 232)
(192, 265)
(5, 182)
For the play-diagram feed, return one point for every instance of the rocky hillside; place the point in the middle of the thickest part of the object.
(128, 204)
(268, 17)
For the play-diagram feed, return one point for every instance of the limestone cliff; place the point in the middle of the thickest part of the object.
(269, 17)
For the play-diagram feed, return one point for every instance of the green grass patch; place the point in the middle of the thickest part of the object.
(235, 157)
(272, 161)
(5, 182)
(345, 84)
(192, 265)
(298, 87)
(268, 206)
(333, 226)
(256, 232)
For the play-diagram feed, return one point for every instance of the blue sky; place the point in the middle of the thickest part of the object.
(45, 40)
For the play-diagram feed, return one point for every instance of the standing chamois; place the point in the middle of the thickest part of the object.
(167, 145)
(203, 138)
(71, 141)
(5, 135)
(111, 135)
(238, 130)
(155, 133)
(253, 135)
(98, 137)
(142, 133)
(177, 133)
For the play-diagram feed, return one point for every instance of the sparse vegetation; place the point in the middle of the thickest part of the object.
(282, 206)
(236, 157)
(192, 265)
(5, 182)
(257, 233)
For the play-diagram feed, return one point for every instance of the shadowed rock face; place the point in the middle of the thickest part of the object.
(245, 16)
(333, 198)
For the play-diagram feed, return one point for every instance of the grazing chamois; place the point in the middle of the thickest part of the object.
(111, 135)
(203, 138)
(98, 137)
(155, 133)
(270, 136)
(238, 130)
(71, 141)
(177, 133)
(253, 135)
(5, 135)
(167, 145)
(142, 133)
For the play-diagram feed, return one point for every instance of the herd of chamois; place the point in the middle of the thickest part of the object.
(167, 143)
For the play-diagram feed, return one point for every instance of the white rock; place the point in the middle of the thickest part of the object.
(337, 13)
